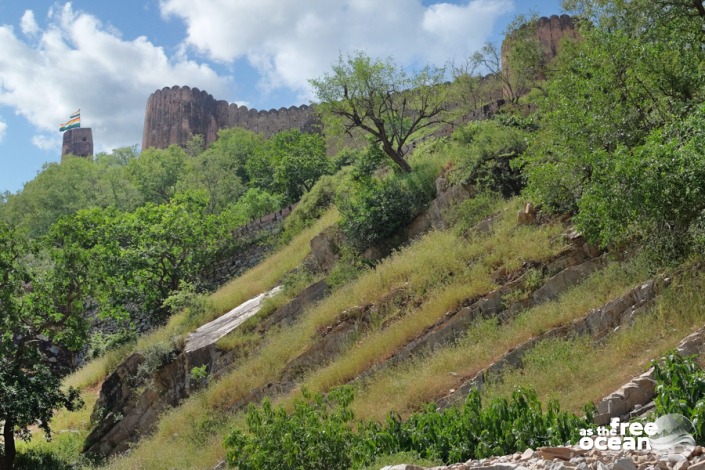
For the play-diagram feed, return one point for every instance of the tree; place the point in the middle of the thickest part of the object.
(157, 172)
(521, 63)
(289, 163)
(651, 193)
(383, 100)
(299, 160)
(635, 70)
(142, 257)
(35, 306)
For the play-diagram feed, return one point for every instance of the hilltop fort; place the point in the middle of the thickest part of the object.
(175, 114)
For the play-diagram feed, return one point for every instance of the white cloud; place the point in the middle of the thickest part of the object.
(3, 129)
(47, 142)
(28, 24)
(293, 41)
(76, 62)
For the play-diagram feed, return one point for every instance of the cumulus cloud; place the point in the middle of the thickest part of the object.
(3, 129)
(293, 41)
(77, 62)
(28, 24)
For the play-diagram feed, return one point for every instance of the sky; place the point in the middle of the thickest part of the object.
(106, 57)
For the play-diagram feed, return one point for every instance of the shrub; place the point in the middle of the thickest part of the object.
(681, 389)
(317, 435)
(482, 157)
(156, 356)
(319, 432)
(100, 343)
(188, 300)
(374, 210)
(650, 193)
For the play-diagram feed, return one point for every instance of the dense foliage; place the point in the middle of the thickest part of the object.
(618, 140)
(319, 433)
(241, 173)
(483, 156)
(40, 305)
(376, 209)
(681, 390)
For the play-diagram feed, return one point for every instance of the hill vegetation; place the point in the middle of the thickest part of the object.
(107, 257)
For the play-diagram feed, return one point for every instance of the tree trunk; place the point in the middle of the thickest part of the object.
(8, 434)
(397, 157)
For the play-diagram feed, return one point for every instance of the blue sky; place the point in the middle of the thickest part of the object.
(106, 57)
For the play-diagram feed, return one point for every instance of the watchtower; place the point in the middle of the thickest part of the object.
(78, 142)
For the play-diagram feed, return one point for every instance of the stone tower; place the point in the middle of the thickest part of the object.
(550, 32)
(78, 142)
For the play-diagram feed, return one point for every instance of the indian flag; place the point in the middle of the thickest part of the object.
(74, 121)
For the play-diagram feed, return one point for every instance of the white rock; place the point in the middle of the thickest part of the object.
(624, 464)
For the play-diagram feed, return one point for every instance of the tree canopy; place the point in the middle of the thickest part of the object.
(382, 99)
(37, 306)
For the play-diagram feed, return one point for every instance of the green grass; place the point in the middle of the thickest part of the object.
(426, 270)
(578, 370)
(431, 376)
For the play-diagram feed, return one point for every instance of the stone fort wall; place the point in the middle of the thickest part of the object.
(176, 114)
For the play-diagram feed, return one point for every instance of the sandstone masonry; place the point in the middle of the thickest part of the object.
(176, 114)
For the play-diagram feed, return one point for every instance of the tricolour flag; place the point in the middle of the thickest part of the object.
(74, 121)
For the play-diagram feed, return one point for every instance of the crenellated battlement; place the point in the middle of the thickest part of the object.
(175, 114)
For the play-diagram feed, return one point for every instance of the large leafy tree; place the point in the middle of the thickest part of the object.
(36, 306)
(143, 256)
(383, 100)
(157, 171)
(634, 71)
(289, 163)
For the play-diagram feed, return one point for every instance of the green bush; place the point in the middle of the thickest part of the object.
(651, 193)
(375, 209)
(476, 431)
(187, 299)
(317, 435)
(100, 343)
(482, 156)
(681, 389)
(319, 432)
(156, 356)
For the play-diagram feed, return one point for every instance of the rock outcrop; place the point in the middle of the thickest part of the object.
(133, 396)
(596, 324)
(550, 32)
(176, 114)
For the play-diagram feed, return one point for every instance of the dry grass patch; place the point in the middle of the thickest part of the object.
(459, 270)
(426, 378)
(578, 370)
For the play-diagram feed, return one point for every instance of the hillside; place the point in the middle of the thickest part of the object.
(475, 282)
(418, 328)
